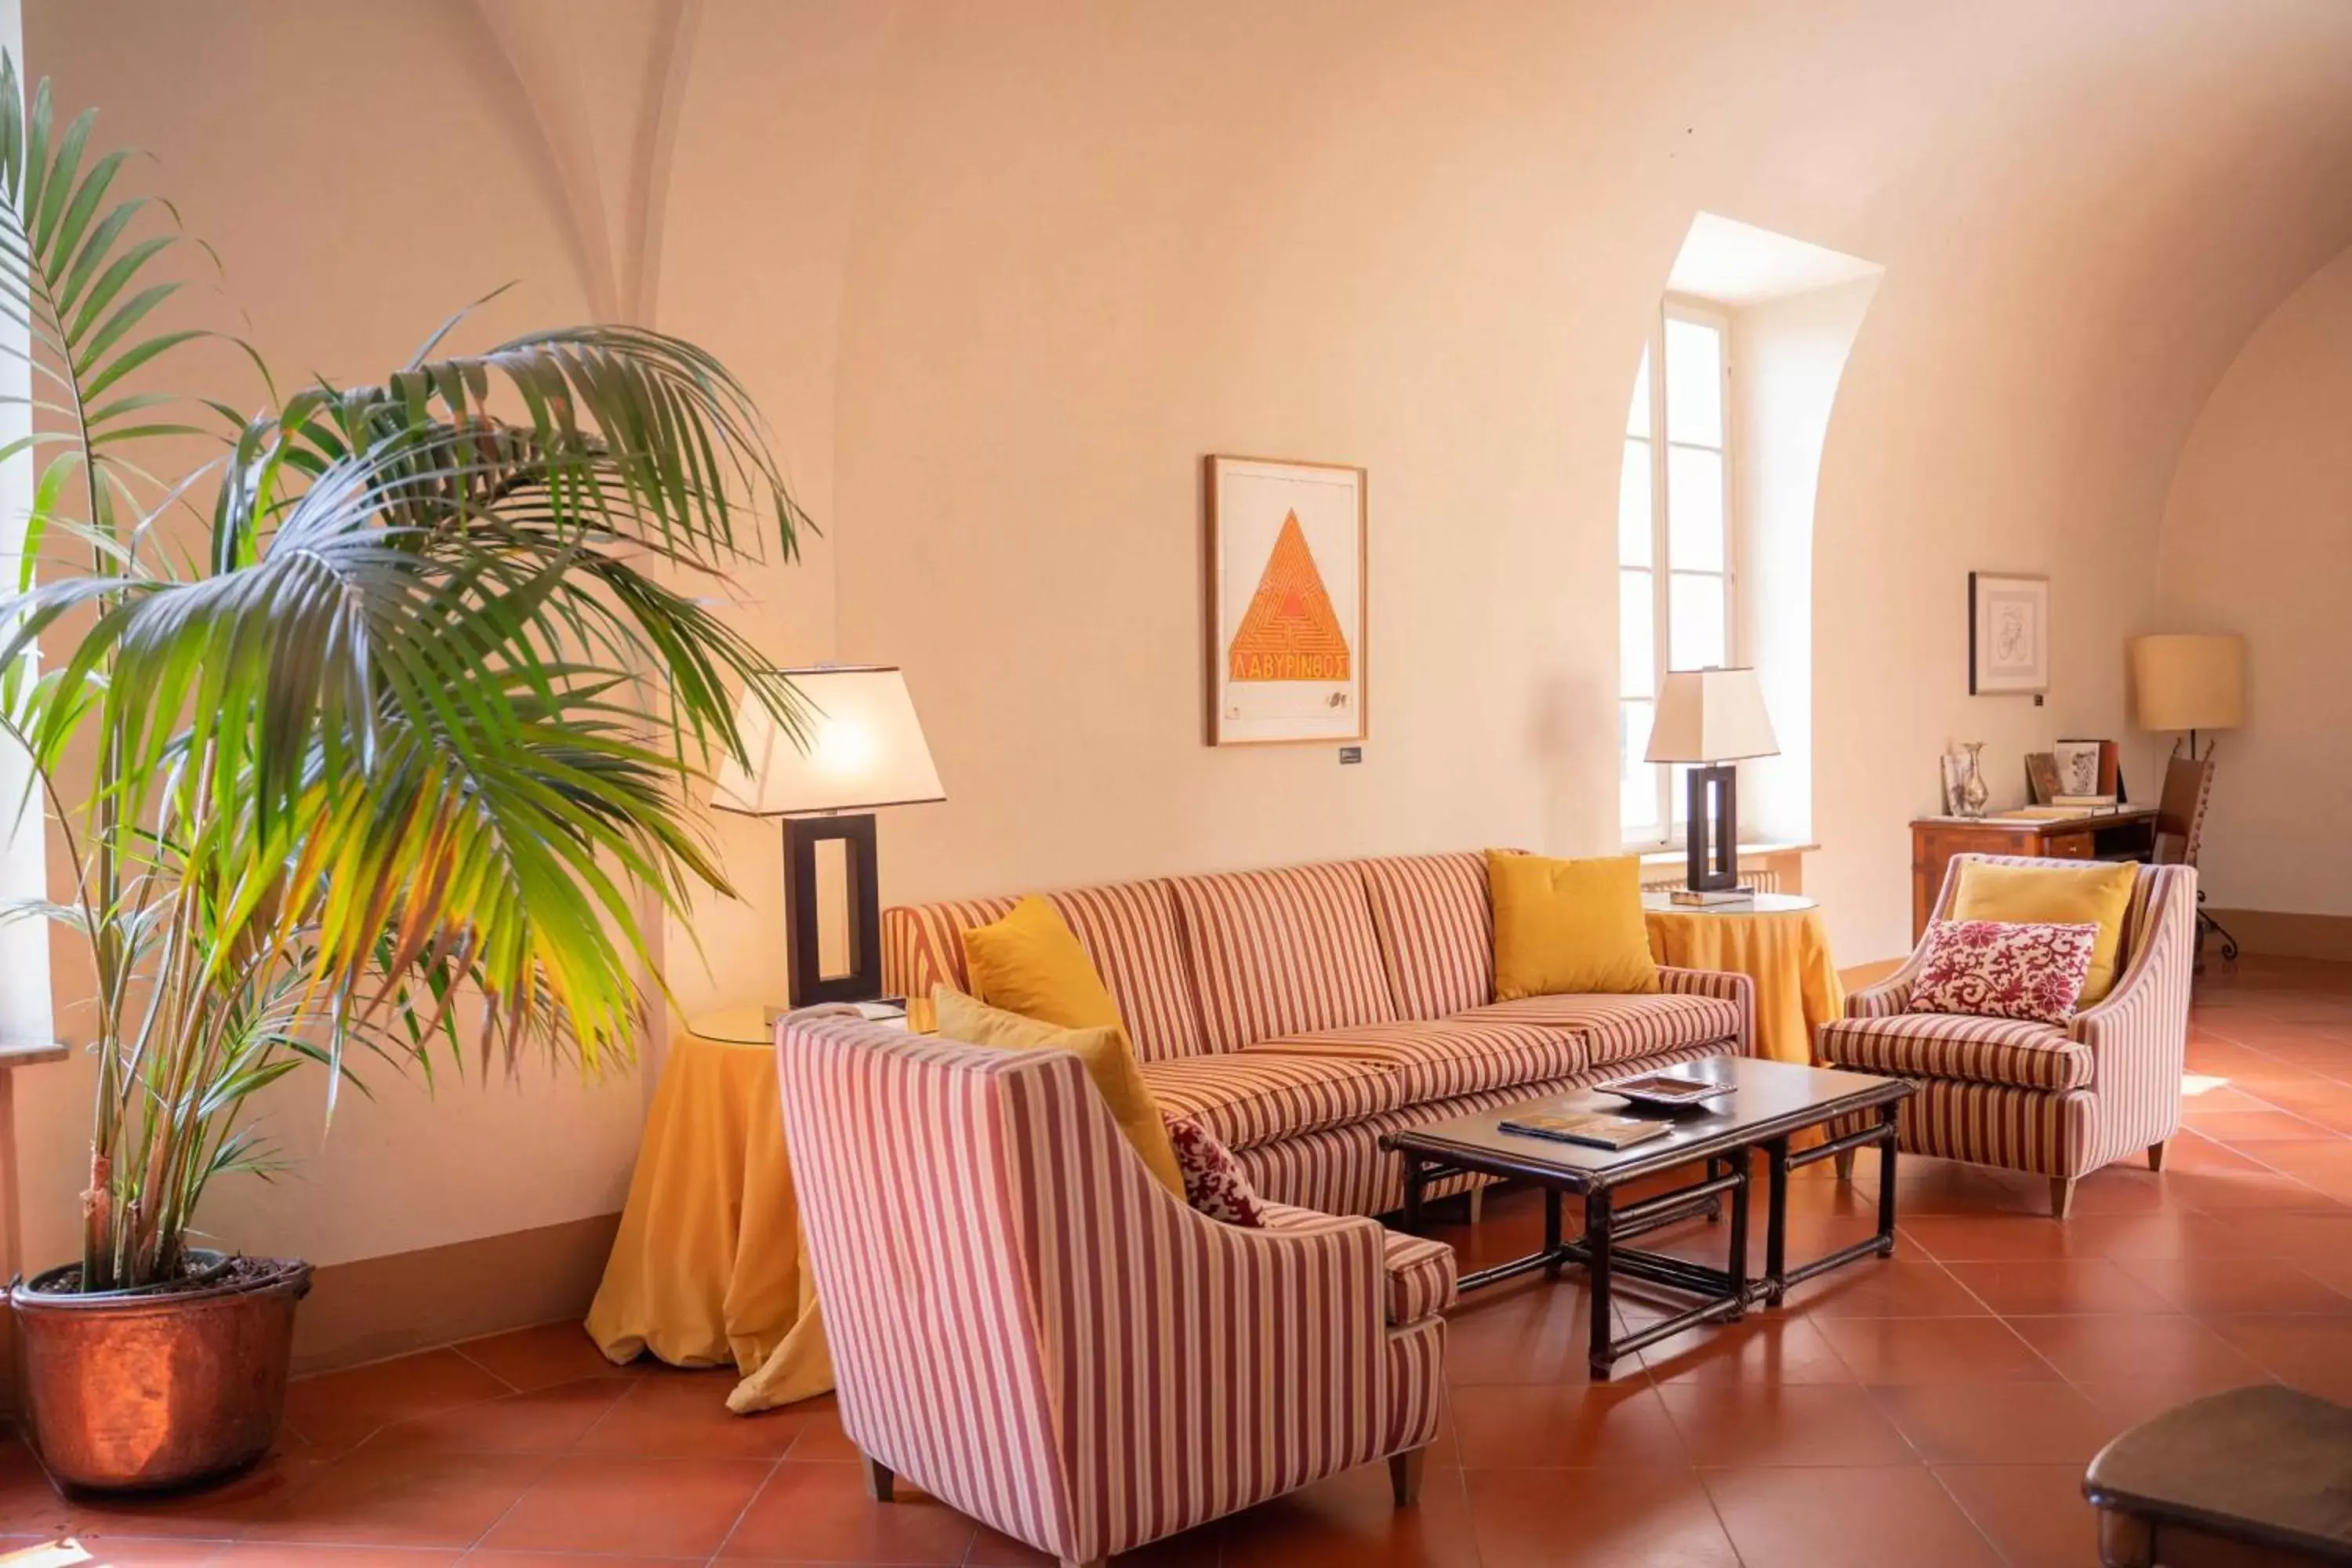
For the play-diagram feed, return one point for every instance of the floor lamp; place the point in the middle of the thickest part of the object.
(864, 749)
(2192, 683)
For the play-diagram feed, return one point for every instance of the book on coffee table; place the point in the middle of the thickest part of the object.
(1598, 1128)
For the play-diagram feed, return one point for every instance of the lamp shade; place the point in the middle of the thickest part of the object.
(1711, 716)
(866, 748)
(2190, 682)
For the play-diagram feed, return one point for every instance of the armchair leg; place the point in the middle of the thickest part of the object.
(1845, 1164)
(2155, 1157)
(880, 1484)
(2062, 1195)
(1404, 1475)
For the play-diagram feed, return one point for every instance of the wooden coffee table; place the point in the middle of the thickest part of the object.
(1766, 1103)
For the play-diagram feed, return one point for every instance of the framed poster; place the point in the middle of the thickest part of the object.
(2008, 633)
(1286, 567)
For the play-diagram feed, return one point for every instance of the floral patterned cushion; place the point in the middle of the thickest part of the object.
(1214, 1183)
(1998, 969)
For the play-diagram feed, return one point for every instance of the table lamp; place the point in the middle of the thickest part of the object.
(864, 749)
(1713, 717)
(2190, 682)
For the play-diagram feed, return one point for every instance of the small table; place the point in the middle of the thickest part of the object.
(2253, 1476)
(1778, 940)
(1768, 1102)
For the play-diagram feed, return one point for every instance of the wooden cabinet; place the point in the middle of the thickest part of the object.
(2118, 835)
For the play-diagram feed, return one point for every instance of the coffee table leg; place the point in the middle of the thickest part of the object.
(1412, 1194)
(1737, 1266)
(1775, 1219)
(1552, 1233)
(1596, 1269)
(1888, 1116)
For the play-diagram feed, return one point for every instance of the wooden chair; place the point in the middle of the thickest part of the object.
(2180, 831)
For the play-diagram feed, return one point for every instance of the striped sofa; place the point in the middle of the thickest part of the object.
(2036, 1098)
(1299, 1014)
(1027, 1325)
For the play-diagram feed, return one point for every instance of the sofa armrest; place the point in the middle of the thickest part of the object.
(1721, 983)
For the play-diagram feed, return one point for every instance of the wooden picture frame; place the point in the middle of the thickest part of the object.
(1286, 601)
(2008, 633)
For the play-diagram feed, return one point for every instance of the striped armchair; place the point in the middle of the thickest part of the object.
(2056, 1102)
(1034, 1330)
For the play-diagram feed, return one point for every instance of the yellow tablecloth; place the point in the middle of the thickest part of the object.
(708, 1266)
(1786, 953)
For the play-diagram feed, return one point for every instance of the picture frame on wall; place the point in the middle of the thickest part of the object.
(1286, 570)
(2008, 633)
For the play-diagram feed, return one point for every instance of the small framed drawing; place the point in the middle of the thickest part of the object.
(1285, 568)
(2008, 633)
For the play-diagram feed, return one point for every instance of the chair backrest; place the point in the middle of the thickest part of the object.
(2153, 889)
(2181, 810)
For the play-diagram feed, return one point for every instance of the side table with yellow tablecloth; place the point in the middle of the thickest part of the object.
(709, 1266)
(1778, 941)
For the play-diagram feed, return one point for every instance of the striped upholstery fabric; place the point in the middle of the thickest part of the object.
(1944, 1045)
(1420, 1271)
(1129, 930)
(2111, 1089)
(1248, 1098)
(1025, 1325)
(1436, 926)
(1620, 1028)
(1290, 952)
(1456, 1055)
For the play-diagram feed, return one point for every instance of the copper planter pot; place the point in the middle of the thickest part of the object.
(132, 1390)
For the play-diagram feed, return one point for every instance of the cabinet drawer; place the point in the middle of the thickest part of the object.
(2068, 846)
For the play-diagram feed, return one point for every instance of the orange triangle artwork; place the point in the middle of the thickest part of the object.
(1289, 632)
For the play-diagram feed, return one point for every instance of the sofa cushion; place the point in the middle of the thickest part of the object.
(1128, 929)
(1450, 1056)
(1420, 1273)
(1436, 927)
(2015, 1051)
(1247, 1098)
(1616, 1028)
(1290, 952)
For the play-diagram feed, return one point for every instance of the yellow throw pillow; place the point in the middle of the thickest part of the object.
(1030, 962)
(1103, 1051)
(1567, 925)
(2098, 893)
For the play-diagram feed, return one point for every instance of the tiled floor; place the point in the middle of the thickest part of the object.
(1935, 1409)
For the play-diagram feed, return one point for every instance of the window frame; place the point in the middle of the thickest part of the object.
(1669, 813)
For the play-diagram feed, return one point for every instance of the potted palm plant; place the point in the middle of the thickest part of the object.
(371, 734)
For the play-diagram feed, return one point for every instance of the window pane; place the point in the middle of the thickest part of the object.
(1633, 523)
(1694, 620)
(1694, 382)
(1637, 788)
(1694, 509)
(1637, 418)
(1678, 794)
(1637, 642)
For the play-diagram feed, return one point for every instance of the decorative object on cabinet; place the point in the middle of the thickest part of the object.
(2009, 635)
(864, 750)
(1972, 795)
(1712, 717)
(1286, 575)
(2041, 778)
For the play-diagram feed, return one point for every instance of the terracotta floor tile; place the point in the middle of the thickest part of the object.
(494, 1558)
(1596, 1519)
(2134, 1400)
(1530, 1332)
(2308, 1350)
(2240, 1127)
(1886, 1288)
(1750, 1424)
(684, 1415)
(594, 1502)
(341, 1408)
(1352, 1518)
(261, 1554)
(821, 1439)
(1766, 1349)
(2230, 1192)
(1547, 1426)
(223, 1512)
(2239, 1284)
(1996, 1423)
(401, 1497)
(2324, 1236)
(111, 1552)
(1846, 1518)
(2048, 1285)
(546, 1420)
(820, 1513)
(546, 1354)
(1934, 1350)
(2146, 1345)
(2035, 1514)
(1196, 1548)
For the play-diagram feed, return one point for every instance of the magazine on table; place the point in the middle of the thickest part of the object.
(1599, 1129)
